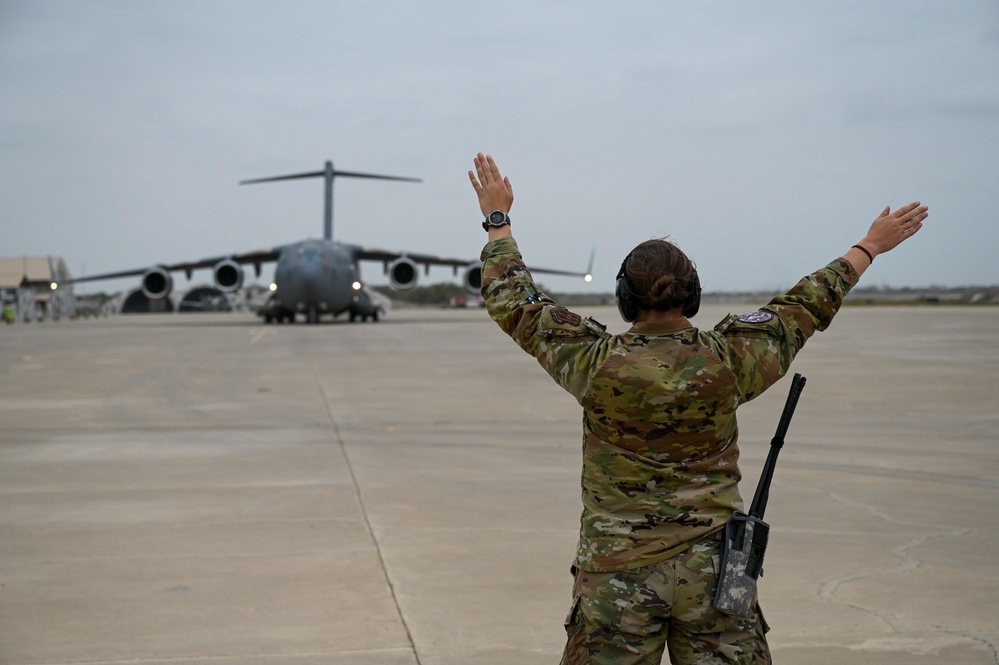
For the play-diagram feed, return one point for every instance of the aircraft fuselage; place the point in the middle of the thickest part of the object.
(316, 277)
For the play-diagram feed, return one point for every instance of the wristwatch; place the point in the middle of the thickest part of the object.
(496, 219)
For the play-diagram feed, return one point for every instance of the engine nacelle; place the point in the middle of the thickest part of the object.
(403, 273)
(228, 276)
(157, 283)
(472, 280)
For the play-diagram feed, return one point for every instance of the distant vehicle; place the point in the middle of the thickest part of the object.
(467, 301)
(312, 277)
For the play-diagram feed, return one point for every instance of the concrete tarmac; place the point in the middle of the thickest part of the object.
(201, 489)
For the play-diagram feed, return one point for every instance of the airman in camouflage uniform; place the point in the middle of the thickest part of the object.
(660, 456)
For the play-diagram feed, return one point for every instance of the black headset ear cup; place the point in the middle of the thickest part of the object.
(622, 294)
(625, 303)
(693, 301)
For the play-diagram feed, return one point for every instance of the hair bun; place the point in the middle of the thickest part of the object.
(664, 292)
(658, 275)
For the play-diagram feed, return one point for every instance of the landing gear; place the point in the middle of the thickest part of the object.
(373, 314)
(274, 312)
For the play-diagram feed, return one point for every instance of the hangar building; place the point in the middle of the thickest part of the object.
(26, 288)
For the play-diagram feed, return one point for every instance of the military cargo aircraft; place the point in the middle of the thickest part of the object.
(311, 277)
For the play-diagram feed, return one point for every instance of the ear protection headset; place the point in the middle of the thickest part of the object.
(626, 300)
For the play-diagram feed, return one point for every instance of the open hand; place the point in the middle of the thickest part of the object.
(494, 191)
(891, 229)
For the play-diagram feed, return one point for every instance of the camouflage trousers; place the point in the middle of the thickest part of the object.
(631, 617)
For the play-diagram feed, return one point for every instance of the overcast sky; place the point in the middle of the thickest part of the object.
(763, 137)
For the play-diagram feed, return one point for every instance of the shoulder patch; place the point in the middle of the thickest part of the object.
(756, 317)
(564, 316)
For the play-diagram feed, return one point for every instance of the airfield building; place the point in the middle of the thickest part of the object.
(26, 288)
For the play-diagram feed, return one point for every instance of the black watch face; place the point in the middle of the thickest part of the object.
(496, 217)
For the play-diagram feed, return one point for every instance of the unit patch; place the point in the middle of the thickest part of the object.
(562, 315)
(756, 317)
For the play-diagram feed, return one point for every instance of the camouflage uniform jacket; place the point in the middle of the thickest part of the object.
(660, 454)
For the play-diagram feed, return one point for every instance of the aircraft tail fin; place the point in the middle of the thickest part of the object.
(328, 174)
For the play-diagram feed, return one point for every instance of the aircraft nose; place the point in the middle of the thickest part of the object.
(303, 284)
(309, 277)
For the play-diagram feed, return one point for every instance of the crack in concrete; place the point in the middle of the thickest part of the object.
(991, 644)
(907, 563)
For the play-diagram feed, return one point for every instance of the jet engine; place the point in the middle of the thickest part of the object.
(228, 276)
(402, 273)
(473, 277)
(156, 283)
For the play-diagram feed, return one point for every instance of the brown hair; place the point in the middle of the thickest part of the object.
(659, 275)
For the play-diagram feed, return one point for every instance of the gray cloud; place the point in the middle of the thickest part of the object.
(764, 137)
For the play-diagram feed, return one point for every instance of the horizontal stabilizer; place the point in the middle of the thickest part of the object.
(328, 174)
(320, 174)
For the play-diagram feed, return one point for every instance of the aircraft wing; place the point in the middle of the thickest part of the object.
(386, 256)
(255, 258)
